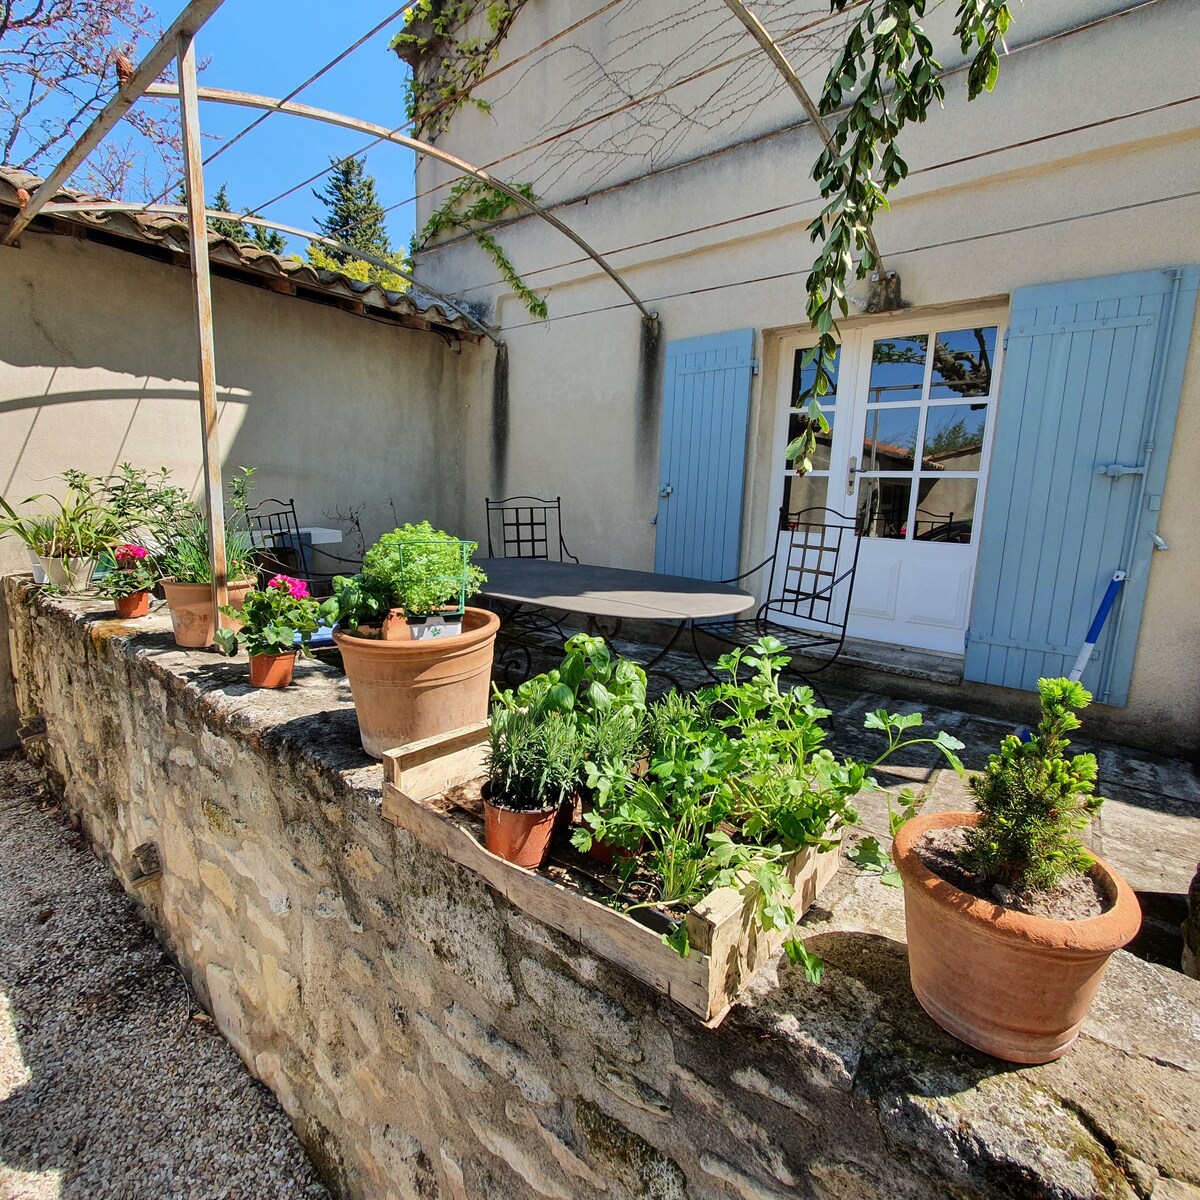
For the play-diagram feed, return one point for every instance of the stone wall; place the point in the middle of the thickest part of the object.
(429, 1040)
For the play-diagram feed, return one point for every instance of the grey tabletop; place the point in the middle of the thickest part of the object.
(609, 591)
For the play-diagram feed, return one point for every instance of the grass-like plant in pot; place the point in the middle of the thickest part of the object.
(269, 620)
(738, 786)
(1011, 922)
(411, 677)
(70, 538)
(186, 566)
(131, 581)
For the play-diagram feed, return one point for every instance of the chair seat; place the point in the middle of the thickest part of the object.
(743, 633)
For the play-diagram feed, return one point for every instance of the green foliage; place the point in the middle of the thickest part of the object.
(357, 268)
(416, 567)
(471, 204)
(80, 525)
(584, 719)
(146, 504)
(450, 65)
(134, 571)
(271, 617)
(1033, 798)
(270, 240)
(738, 782)
(184, 552)
(353, 214)
(887, 77)
(869, 855)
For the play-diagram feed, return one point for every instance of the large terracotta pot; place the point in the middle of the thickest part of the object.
(1010, 984)
(521, 837)
(136, 604)
(192, 610)
(272, 670)
(407, 690)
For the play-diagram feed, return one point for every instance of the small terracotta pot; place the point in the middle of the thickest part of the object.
(192, 610)
(405, 690)
(272, 670)
(136, 604)
(1008, 983)
(520, 837)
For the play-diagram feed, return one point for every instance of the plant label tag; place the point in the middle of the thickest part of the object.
(435, 627)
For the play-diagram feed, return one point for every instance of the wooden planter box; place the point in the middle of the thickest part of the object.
(431, 790)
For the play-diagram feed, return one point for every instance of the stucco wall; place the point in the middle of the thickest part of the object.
(430, 1040)
(1081, 163)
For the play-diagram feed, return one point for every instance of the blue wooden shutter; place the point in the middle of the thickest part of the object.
(1092, 378)
(702, 456)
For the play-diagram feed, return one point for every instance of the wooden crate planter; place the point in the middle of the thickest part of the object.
(430, 791)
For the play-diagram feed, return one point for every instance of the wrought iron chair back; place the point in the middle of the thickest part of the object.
(526, 527)
(281, 547)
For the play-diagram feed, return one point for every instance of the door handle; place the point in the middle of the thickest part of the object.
(850, 473)
(665, 489)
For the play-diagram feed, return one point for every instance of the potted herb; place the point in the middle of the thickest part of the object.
(1011, 923)
(129, 585)
(187, 568)
(411, 677)
(738, 787)
(535, 759)
(269, 621)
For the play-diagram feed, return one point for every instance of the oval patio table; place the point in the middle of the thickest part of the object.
(611, 593)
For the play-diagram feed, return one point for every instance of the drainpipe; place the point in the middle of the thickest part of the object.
(1160, 368)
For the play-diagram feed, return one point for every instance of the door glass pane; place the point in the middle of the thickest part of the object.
(954, 437)
(798, 423)
(801, 492)
(883, 507)
(890, 440)
(802, 377)
(945, 510)
(962, 363)
(898, 369)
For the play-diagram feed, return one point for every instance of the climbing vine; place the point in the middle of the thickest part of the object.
(472, 204)
(887, 75)
(446, 67)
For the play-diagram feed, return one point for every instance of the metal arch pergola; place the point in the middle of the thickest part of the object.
(178, 43)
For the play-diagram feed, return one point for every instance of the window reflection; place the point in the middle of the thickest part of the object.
(883, 507)
(945, 510)
(889, 443)
(962, 363)
(803, 376)
(898, 369)
(954, 437)
(798, 424)
(801, 492)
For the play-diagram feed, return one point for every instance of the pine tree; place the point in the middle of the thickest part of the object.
(270, 240)
(353, 212)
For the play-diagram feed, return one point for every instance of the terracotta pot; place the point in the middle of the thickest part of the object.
(68, 574)
(192, 610)
(1010, 984)
(272, 670)
(136, 604)
(520, 837)
(407, 690)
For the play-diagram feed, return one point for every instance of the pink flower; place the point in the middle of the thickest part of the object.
(129, 554)
(296, 588)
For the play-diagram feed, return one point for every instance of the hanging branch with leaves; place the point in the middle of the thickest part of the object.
(450, 65)
(471, 206)
(888, 71)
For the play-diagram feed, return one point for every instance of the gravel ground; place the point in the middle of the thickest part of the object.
(112, 1083)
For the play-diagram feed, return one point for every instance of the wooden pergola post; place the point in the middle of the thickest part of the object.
(214, 508)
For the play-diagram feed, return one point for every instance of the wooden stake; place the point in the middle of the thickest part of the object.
(214, 508)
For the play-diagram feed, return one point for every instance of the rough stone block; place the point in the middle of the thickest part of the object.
(605, 1022)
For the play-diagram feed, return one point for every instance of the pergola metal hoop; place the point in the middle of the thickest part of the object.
(249, 100)
(85, 206)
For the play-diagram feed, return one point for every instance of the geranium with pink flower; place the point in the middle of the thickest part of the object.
(135, 572)
(271, 617)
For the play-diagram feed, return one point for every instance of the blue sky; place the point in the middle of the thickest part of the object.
(270, 48)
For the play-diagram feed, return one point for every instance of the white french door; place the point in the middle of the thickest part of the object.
(911, 418)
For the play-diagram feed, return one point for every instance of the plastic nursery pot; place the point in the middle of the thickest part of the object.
(192, 610)
(272, 670)
(405, 690)
(1011, 984)
(519, 836)
(68, 574)
(136, 604)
